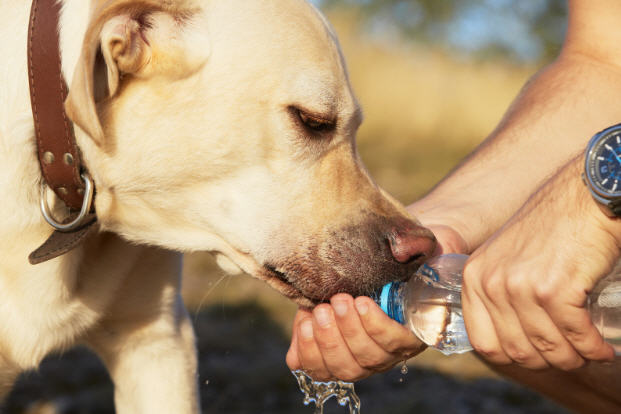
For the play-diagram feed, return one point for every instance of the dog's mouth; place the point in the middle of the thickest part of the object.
(279, 281)
(308, 283)
(268, 273)
(277, 274)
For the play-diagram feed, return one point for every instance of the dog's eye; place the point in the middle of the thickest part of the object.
(315, 123)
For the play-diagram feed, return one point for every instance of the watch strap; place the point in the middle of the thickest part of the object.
(615, 207)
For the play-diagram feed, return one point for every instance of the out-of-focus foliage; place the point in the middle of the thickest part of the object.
(521, 30)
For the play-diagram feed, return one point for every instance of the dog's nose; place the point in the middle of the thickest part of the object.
(411, 242)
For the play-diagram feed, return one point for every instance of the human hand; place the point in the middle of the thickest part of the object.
(351, 339)
(524, 290)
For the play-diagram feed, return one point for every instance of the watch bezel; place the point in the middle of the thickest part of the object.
(604, 197)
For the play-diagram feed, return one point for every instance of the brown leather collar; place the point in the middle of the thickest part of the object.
(59, 155)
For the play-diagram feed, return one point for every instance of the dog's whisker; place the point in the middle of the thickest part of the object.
(204, 298)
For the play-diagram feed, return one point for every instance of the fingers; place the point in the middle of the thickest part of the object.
(479, 325)
(542, 332)
(318, 347)
(387, 333)
(309, 356)
(510, 321)
(548, 342)
(337, 356)
(449, 239)
(303, 352)
(292, 359)
(513, 340)
(366, 351)
(348, 339)
(575, 325)
(505, 326)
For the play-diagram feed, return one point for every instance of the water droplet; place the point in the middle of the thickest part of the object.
(404, 368)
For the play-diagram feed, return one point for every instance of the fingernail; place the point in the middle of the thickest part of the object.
(323, 317)
(306, 329)
(362, 308)
(340, 307)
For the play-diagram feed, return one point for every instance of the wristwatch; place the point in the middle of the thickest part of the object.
(602, 169)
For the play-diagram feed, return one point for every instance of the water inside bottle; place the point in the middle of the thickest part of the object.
(319, 392)
(439, 322)
(435, 314)
(605, 308)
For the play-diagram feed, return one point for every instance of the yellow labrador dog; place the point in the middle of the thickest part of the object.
(206, 125)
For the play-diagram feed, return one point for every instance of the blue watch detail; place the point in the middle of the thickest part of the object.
(603, 168)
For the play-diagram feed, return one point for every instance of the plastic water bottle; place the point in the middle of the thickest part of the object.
(429, 304)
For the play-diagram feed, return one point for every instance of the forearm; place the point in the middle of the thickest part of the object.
(549, 123)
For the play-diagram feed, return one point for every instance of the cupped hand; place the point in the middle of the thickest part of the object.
(524, 290)
(352, 338)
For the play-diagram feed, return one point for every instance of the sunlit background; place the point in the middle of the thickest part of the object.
(433, 78)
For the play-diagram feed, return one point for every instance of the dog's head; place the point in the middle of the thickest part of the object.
(229, 126)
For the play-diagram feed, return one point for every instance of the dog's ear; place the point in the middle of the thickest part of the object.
(125, 41)
(119, 41)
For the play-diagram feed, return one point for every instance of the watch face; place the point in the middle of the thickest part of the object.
(604, 162)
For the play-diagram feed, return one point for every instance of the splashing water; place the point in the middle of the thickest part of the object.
(320, 392)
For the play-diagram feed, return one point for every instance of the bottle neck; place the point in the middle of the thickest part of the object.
(390, 299)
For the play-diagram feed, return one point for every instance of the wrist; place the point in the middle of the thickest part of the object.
(600, 177)
(606, 222)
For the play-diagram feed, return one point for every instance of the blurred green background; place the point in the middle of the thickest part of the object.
(433, 77)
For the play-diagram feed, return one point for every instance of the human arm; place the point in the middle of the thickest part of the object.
(567, 103)
(549, 122)
(525, 289)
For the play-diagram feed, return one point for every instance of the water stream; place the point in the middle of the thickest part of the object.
(319, 392)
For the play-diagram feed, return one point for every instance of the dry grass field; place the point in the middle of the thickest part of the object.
(424, 110)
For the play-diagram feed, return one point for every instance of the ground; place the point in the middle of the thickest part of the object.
(242, 371)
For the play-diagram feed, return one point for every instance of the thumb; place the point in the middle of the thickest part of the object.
(449, 240)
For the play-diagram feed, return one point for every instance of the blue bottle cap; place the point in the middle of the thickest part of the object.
(389, 301)
(383, 298)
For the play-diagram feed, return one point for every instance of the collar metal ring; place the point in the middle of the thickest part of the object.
(86, 206)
